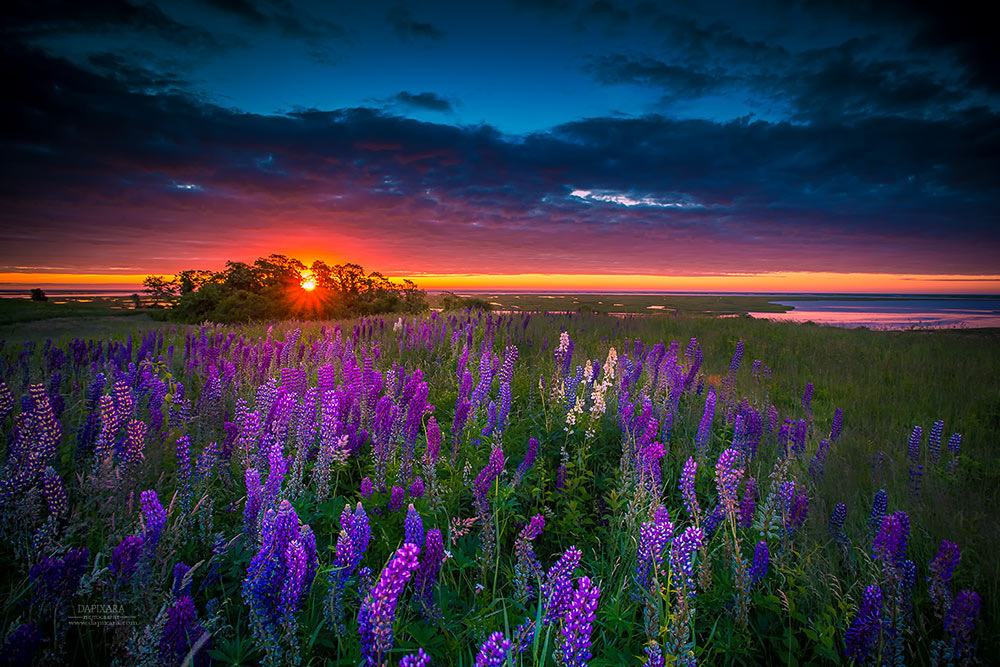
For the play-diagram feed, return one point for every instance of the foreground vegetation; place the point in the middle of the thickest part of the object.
(206, 485)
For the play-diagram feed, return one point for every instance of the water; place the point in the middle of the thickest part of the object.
(902, 313)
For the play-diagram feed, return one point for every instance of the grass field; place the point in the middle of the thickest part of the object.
(885, 382)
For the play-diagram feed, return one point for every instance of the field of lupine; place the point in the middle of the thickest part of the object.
(477, 489)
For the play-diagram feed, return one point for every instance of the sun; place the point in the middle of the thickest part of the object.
(308, 281)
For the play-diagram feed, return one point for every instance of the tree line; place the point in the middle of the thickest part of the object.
(271, 288)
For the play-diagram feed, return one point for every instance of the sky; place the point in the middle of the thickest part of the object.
(522, 144)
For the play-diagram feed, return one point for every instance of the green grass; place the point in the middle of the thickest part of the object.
(627, 303)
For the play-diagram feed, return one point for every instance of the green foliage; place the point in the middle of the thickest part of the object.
(38, 295)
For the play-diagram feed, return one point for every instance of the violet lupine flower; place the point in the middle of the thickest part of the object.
(879, 506)
(56, 579)
(761, 561)
(934, 441)
(960, 622)
(528, 462)
(396, 499)
(573, 645)
(817, 464)
(557, 588)
(418, 659)
(378, 610)
(727, 479)
(799, 436)
(180, 633)
(135, 441)
(734, 364)
(836, 524)
(913, 449)
(862, 636)
(21, 646)
(561, 478)
(797, 509)
(417, 488)
(807, 397)
(838, 424)
(705, 426)
(277, 577)
(125, 557)
(433, 449)
(352, 543)
(485, 479)
(654, 655)
(367, 489)
(413, 527)
(688, 491)
(890, 543)
(713, 521)
(943, 566)
(154, 518)
(255, 499)
(749, 503)
(955, 443)
(682, 553)
(654, 537)
(527, 567)
(181, 587)
(55, 493)
(493, 652)
(431, 559)
(276, 474)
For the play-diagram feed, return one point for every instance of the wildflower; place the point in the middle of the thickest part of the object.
(879, 506)
(807, 397)
(687, 490)
(959, 623)
(913, 449)
(836, 523)
(704, 427)
(180, 634)
(653, 540)
(396, 499)
(749, 503)
(529, 460)
(154, 518)
(55, 493)
(557, 587)
(890, 543)
(352, 543)
(761, 559)
(727, 478)
(934, 441)
(682, 554)
(863, 635)
(125, 557)
(493, 652)
(527, 568)
(418, 659)
(431, 559)
(573, 645)
(378, 610)
(942, 568)
(182, 582)
(367, 489)
(838, 423)
(22, 644)
(417, 488)
(413, 527)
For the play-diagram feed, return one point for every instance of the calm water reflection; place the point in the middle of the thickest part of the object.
(893, 313)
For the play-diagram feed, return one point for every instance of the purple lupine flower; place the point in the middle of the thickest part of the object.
(561, 478)
(945, 561)
(797, 508)
(890, 543)
(295, 582)
(529, 460)
(682, 553)
(396, 496)
(713, 520)
(378, 610)
(799, 436)
(879, 506)
(836, 523)
(433, 449)
(934, 441)
(180, 633)
(417, 488)
(413, 527)
(955, 443)
(838, 424)
(749, 503)
(557, 587)
(654, 655)
(688, 491)
(493, 652)
(734, 364)
(728, 473)
(653, 540)
(351, 545)
(22, 644)
(913, 448)
(125, 557)
(486, 477)
(863, 635)
(54, 492)
(418, 659)
(761, 560)
(807, 397)
(367, 489)
(181, 587)
(56, 579)
(255, 499)
(573, 645)
(960, 622)
(817, 464)
(527, 567)
(431, 559)
(705, 426)
(154, 518)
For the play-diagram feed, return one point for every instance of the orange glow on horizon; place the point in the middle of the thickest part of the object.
(781, 282)
(308, 282)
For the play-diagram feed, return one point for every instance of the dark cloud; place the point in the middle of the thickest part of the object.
(678, 80)
(822, 196)
(409, 29)
(603, 13)
(283, 16)
(30, 19)
(426, 101)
